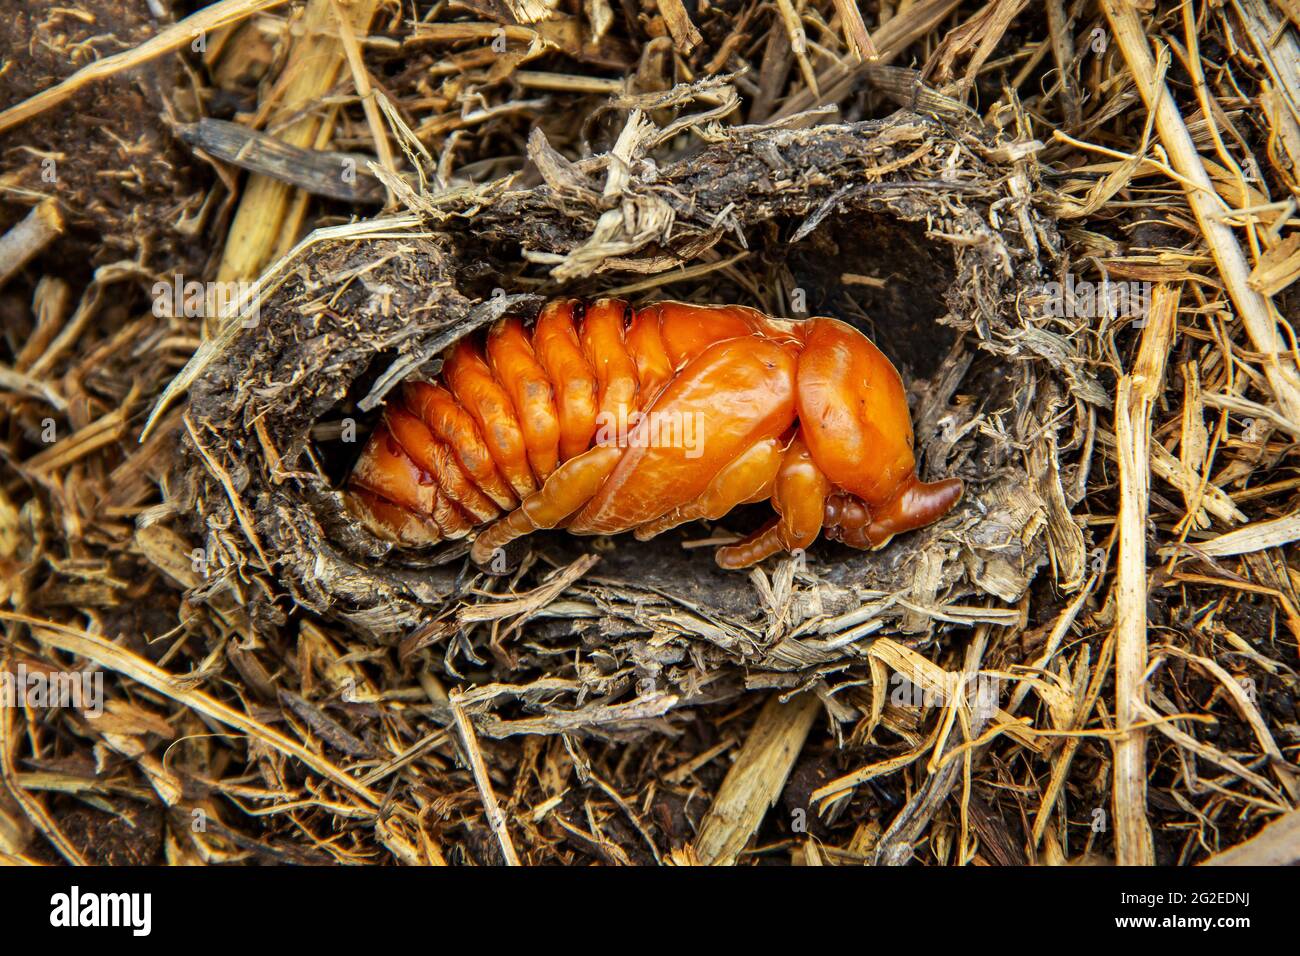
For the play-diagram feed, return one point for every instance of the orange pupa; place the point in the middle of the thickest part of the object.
(602, 419)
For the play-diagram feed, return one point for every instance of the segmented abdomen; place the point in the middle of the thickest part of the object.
(451, 455)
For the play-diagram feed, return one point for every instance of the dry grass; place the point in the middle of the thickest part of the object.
(1119, 590)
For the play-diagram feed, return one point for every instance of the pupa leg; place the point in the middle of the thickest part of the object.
(799, 496)
(917, 504)
(568, 488)
(734, 394)
(748, 478)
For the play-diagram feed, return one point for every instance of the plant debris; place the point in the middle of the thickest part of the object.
(1072, 226)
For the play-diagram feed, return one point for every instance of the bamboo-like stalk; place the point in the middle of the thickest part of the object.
(268, 218)
(855, 31)
(21, 243)
(685, 36)
(798, 43)
(755, 780)
(361, 79)
(1252, 307)
(474, 758)
(1136, 396)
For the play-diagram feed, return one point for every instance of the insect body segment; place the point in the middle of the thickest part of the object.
(605, 419)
